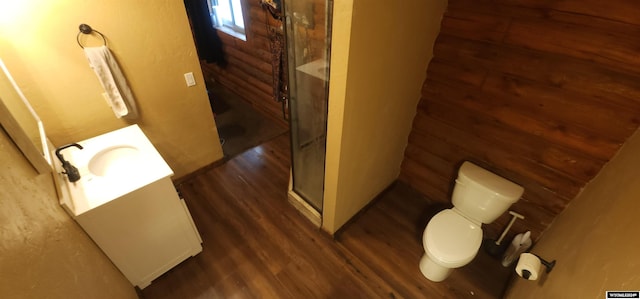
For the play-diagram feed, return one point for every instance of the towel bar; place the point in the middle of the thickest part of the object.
(86, 29)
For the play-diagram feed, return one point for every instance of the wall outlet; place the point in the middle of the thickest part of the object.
(188, 77)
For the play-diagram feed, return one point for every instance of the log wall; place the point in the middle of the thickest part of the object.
(249, 71)
(541, 92)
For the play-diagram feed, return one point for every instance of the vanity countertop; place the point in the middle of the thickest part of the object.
(131, 162)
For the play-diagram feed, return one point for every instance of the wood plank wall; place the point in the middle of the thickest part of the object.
(249, 72)
(541, 92)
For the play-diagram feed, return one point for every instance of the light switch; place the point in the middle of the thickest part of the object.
(188, 77)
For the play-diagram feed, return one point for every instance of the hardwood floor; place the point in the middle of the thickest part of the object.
(257, 246)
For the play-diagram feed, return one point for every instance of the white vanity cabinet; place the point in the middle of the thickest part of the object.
(145, 233)
(126, 202)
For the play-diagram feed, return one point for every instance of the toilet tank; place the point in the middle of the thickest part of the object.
(482, 195)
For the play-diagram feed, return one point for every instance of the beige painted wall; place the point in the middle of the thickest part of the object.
(379, 60)
(153, 44)
(16, 107)
(43, 252)
(595, 240)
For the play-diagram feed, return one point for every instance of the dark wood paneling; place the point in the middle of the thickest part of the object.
(249, 71)
(543, 93)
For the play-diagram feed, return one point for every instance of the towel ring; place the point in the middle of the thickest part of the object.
(86, 29)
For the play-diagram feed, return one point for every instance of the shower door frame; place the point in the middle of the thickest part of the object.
(299, 200)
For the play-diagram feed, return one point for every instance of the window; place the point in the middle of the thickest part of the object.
(227, 16)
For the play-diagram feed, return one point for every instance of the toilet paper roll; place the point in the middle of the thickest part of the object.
(528, 263)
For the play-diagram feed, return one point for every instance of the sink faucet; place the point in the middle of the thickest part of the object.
(71, 171)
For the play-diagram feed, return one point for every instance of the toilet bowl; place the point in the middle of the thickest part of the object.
(453, 236)
(450, 241)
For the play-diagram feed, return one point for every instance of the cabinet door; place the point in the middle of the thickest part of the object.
(144, 233)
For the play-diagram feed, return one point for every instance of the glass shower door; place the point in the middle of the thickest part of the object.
(308, 48)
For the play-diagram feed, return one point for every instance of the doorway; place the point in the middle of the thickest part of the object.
(236, 88)
(250, 69)
(240, 126)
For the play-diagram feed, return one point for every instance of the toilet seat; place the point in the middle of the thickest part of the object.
(452, 240)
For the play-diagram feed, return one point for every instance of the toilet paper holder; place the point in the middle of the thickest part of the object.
(528, 275)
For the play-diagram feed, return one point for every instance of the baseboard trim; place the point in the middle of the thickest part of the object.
(355, 217)
(199, 171)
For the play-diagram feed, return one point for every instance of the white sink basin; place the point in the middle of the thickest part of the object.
(116, 160)
(112, 165)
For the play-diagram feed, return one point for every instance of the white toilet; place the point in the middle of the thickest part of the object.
(452, 237)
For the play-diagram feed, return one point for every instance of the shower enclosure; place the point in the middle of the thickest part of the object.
(308, 29)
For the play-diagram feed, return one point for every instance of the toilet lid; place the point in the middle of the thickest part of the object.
(452, 238)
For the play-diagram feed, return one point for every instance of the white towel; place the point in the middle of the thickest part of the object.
(117, 90)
